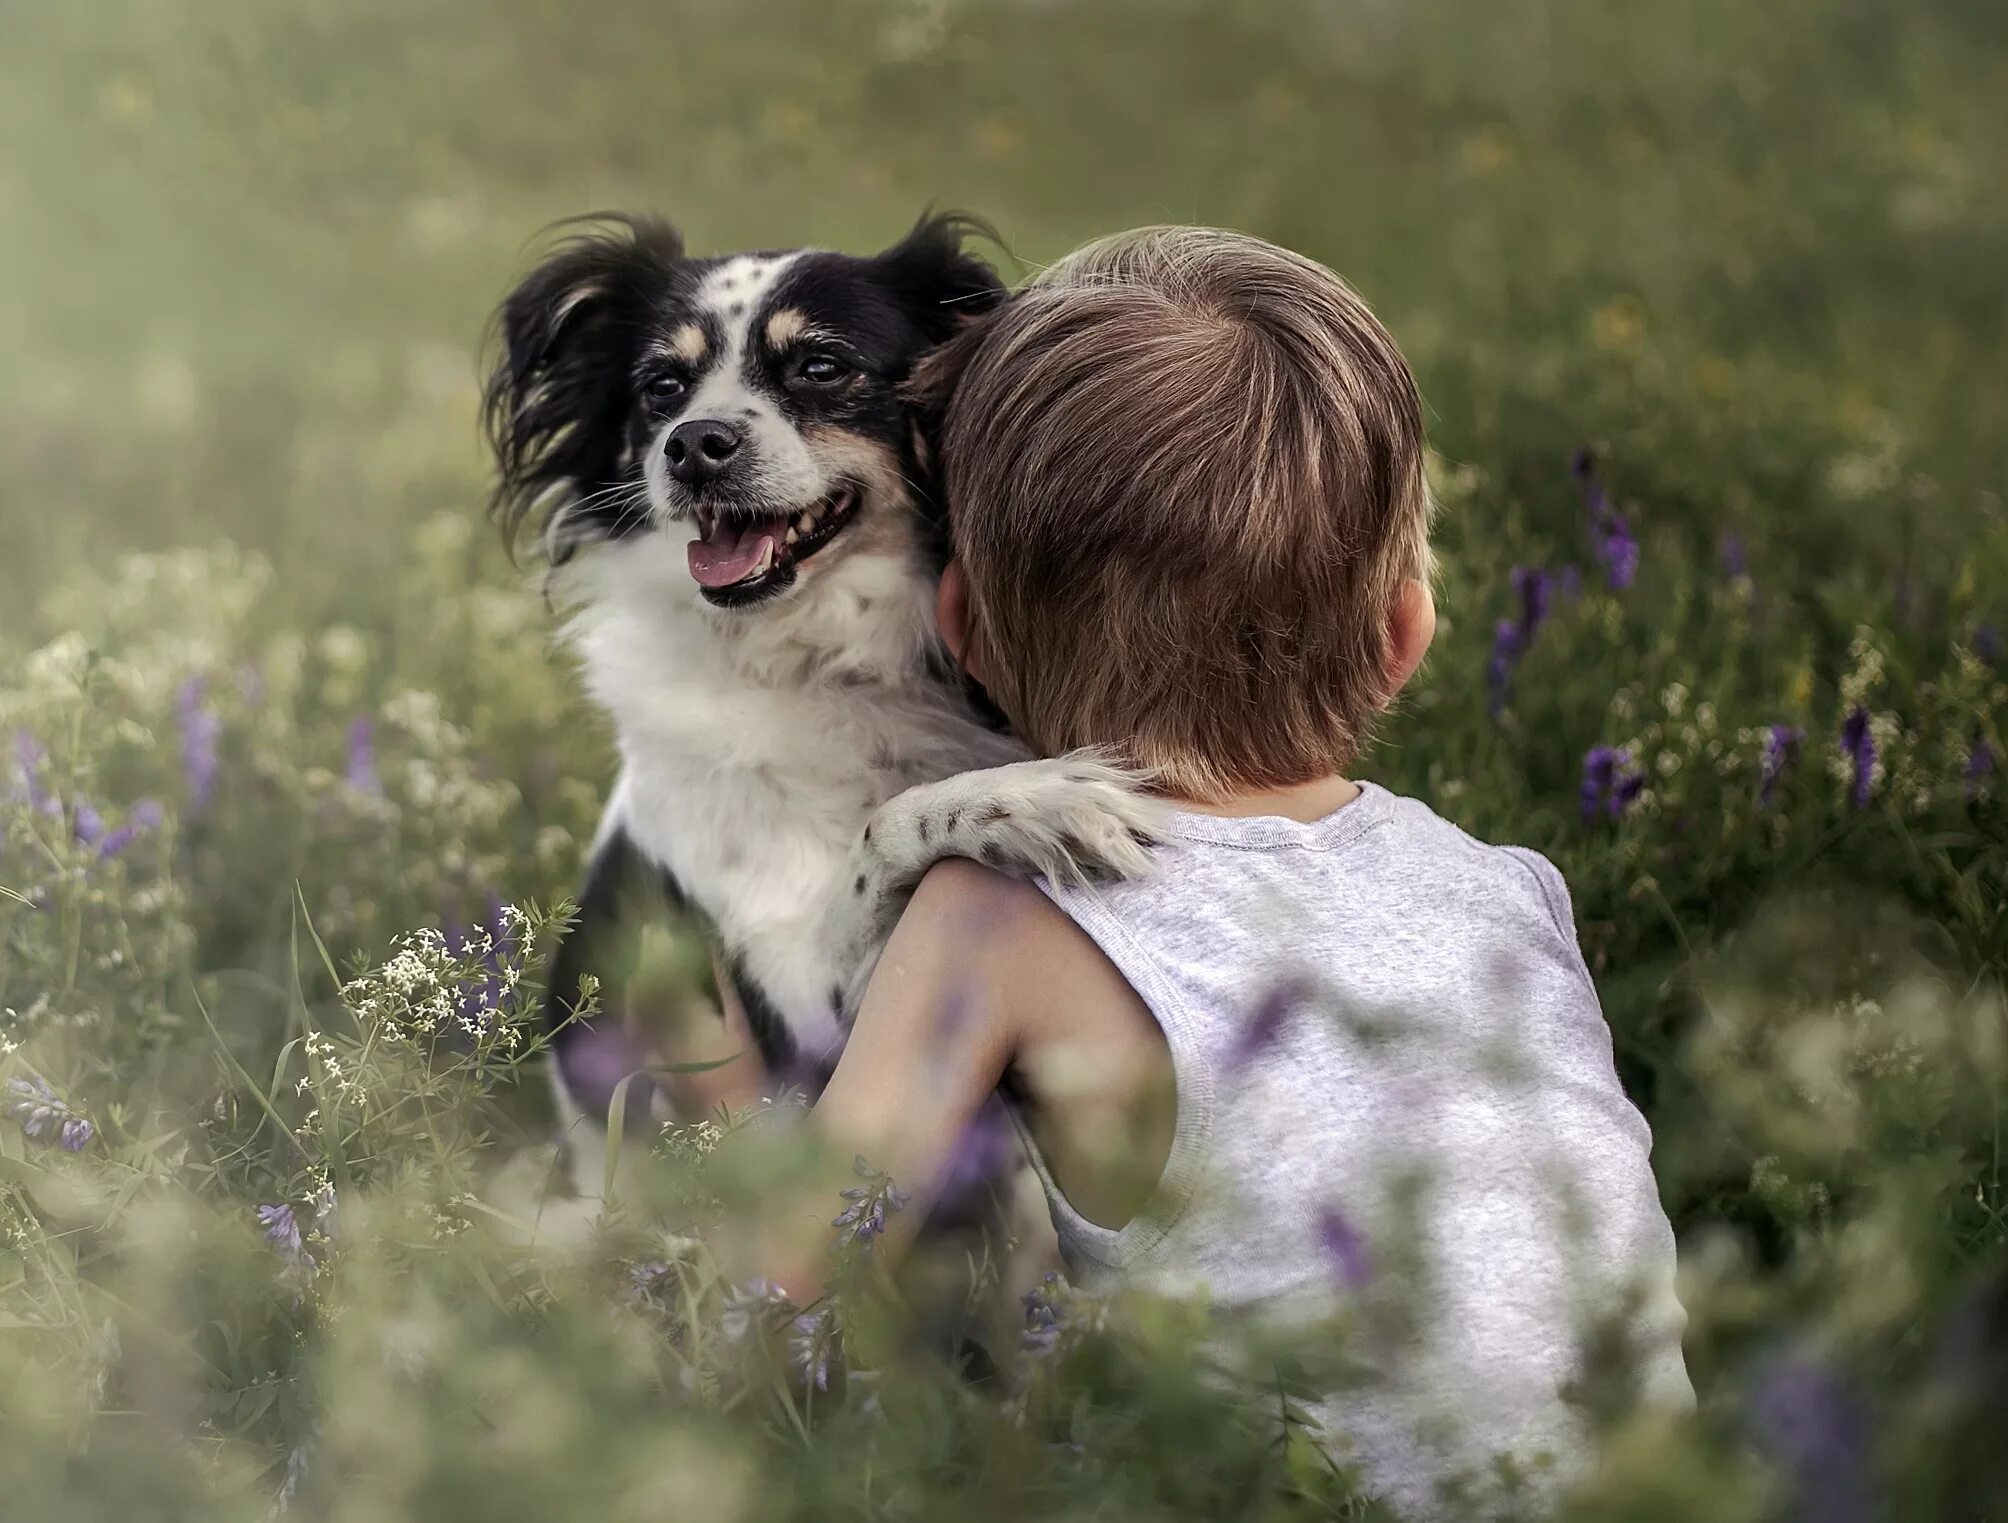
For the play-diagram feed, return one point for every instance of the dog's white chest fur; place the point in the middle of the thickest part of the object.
(755, 749)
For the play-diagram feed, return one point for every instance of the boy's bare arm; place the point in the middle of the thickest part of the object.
(937, 1028)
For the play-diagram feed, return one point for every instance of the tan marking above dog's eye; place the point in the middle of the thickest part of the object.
(785, 326)
(688, 343)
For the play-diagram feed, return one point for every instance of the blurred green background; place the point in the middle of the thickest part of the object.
(249, 247)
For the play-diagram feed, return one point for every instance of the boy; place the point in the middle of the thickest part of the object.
(1333, 1047)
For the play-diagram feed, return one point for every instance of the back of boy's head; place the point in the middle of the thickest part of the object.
(1184, 470)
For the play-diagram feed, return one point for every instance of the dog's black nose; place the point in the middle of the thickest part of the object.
(699, 450)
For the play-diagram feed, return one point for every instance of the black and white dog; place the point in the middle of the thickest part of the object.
(736, 505)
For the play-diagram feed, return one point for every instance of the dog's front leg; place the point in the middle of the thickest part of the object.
(1070, 818)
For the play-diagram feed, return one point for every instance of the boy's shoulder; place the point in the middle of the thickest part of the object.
(1485, 866)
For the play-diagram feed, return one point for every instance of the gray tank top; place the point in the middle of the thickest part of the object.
(1396, 1098)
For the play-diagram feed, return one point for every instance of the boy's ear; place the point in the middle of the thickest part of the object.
(560, 394)
(1411, 625)
(951, 611)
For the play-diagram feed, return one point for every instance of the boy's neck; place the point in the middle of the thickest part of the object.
(1303, 802)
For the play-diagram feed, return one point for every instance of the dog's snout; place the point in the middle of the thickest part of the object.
(700, 449)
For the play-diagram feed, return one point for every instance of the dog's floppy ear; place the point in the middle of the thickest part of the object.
(558, 401)
(942, 283)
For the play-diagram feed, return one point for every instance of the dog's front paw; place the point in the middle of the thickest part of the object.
(1072, 818)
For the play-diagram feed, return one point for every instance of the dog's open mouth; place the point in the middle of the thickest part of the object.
(738, 557)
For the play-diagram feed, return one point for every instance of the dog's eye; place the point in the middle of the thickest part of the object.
(823, 369)
(665, 388)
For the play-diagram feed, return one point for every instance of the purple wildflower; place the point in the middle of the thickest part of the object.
(1499, 670)
(1619, 553)
(1531, 585)
(1609, 784)
(361, 773)
(863, 1219)
(982, 1153)
(1781, 749)
(811, 1341)
(1609, 533)
(1816, 1431)
(1979, 766)
(146, 815)
(1858, 744)
(43, 1116)
(1735, 560)
(90, 825)
(282, 1231)
(1987, 644)
(1265, 1022)
(645, 1282)
(1511, 638)
(30, 756)
(201, 729)
(1344, 1249)
(34, 1105)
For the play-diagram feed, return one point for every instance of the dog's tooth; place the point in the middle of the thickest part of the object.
(766, 557)
(792, 537)
(804, 521)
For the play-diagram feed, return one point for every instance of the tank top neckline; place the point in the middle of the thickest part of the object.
(1267, 831)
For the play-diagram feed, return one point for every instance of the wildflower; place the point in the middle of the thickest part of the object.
(1781, 749)
(1265, 1022)
(325, 1219)
(146, 815)
(1979, 766)
(645, 1282)
(361, 773)
(747, 1306)
(1506, 651)
(1619, 553)
(863, 1219)
(1511, 638)
(1610, 784)
(1815, 1430)
(1343, 1247)
(282, 1231)
(200, 731)
(44, 1117)
(1735, 560)
(1609, 533)
(1858, 746)
(811, 1341)
(1987, 644)
(90, 825)
(30, 755)
(1532, 586)
(981, 1153)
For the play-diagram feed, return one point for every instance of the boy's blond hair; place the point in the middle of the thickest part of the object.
(1185, 473)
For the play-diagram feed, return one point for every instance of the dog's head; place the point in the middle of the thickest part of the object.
(751, 403)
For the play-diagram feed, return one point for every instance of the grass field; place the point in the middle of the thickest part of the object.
(1706, 302)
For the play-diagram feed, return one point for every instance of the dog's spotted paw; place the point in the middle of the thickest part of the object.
(1072, 818)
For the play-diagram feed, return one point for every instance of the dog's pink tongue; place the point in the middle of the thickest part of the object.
(731, 554)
